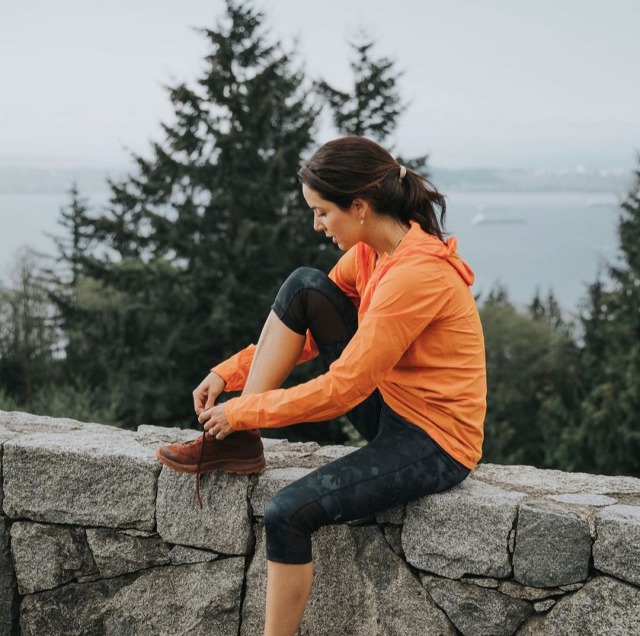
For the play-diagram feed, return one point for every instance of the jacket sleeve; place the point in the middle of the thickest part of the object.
(235, 370)
(405, 301)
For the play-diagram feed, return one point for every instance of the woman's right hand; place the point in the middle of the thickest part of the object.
(207, 392)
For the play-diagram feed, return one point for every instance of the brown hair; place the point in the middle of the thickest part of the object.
(354, 167)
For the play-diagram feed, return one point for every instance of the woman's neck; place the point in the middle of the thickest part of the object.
(385, 234)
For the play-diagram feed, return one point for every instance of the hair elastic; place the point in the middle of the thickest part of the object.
(403, 172)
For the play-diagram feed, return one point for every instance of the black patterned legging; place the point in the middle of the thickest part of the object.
(400, 463)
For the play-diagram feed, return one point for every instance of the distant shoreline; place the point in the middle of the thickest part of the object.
(53, 181)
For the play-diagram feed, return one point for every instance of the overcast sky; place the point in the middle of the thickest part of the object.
(543, 84)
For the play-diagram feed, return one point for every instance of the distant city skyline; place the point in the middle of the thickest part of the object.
(496, 83)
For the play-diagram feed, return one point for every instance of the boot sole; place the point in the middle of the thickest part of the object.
(237, 467)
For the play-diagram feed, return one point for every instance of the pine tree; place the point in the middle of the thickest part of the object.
(373, 106)
(75, 242)
(28, 333)
(609, 435)
(198, 239)
(532, 374)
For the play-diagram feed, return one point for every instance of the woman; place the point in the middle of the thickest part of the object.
(398, 325)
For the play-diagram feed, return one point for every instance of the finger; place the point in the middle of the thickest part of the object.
(205, 415)
(198, 402)
(211, 400)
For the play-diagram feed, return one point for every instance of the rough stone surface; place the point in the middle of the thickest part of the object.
(283, 454)
(477, 611)
(223, 525)
(464, 530)
(270, 482)
(511, 588)
(20, 423)
(536, 481)
(553, 545)
(617, 548)
(511, 543)
(81, 477)
(603, 606)
(180, 555)
(393, 515)
(393, 535)
(361, 588)
(543, 606)
(154, 436)
(5, 435)
(117, 552)
(330, 453)
(46, 555)
(481, 581)
(70, 488)
(199, 600)
(584, 500)
(8, 588)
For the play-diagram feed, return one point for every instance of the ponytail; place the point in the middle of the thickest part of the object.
(423, 203)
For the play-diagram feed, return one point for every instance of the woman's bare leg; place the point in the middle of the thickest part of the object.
(275, 356)
(288, 589)
(288, 586)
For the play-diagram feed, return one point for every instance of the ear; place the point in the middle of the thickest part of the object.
(360, 207)
(358, 210)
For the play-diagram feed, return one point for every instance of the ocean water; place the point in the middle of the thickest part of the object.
(30, 220)
(556, 241)
(524, 241)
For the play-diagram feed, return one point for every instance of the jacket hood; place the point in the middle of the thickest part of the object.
(447, 251)
(450, 254)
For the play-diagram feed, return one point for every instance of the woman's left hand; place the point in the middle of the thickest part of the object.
(215, 421)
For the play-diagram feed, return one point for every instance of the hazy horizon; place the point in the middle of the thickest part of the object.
(545, 87)
(495, 84)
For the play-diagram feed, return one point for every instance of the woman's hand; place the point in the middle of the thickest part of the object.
(207, 392)
(215, 421)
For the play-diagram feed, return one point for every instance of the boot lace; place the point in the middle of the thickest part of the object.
(203, 441)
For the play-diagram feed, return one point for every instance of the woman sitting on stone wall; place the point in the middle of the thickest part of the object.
(398, 325)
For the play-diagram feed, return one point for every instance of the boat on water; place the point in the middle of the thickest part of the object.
(595, 203)
(483, 218)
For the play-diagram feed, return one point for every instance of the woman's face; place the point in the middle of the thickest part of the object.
(342, 227)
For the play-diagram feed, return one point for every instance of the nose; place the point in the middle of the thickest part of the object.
(318, 226)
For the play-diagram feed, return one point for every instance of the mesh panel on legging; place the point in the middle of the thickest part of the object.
(309, 299)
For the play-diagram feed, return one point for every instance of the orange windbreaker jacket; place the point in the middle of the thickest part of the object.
(419, 340)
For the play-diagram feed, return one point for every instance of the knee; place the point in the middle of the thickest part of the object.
(285, 512)
(276, 515)
(291, 302)
(288, 527)
(277, 524)
(302, 278)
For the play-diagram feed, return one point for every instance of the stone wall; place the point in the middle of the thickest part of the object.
(97, 539)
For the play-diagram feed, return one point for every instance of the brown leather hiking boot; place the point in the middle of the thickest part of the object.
(242, 452)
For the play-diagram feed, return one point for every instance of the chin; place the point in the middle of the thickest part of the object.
(343, 246)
